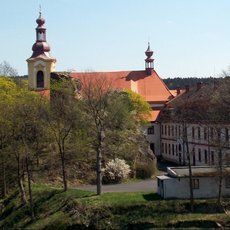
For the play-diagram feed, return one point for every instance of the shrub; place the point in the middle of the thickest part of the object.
(145, 170)
(115, 171)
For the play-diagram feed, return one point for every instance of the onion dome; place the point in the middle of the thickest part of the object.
(148, 52)
(40, 47)
(40, 21)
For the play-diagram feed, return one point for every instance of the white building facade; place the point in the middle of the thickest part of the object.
(205, 183)
(187, 128)
(205, 143)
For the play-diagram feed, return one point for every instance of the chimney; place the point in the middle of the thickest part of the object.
(186, 88)
(198, 85)
(178, 91)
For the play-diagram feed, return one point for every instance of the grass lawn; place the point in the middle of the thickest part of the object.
(77, 209)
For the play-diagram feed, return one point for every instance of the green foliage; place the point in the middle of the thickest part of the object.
(139, 107)
(80, 209)
(145, 170)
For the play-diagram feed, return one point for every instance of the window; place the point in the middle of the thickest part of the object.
(205, 134)
(179, 147)
(151, 130)
(173, 131)
(199, 155)
(226, 134)
(173, 151)
(195, 183)
(162, 129)
(205, 156)
(185, 131)
(179, 130)
(165, 129)
(40, 79)
(211, 133)
(169, 149)
(212, 158)
(166, 149)
(176, 130)
(198, 133)
(218, 134)
(227, 182)
(169, 130)
(193, 132)
(194, 156)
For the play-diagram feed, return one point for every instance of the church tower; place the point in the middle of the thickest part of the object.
(40, 64)
(149, 67)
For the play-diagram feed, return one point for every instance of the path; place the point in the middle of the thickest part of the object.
(141, 186)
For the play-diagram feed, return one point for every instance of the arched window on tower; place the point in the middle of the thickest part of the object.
(40, 79)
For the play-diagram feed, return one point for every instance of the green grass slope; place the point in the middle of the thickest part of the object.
(76, 209)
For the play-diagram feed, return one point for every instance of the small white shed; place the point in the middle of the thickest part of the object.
(175, 184)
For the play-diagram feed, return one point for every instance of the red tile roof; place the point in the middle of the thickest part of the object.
(154, 115)
(151, 87)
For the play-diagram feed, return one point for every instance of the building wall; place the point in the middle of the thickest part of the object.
(153, 137)
(46, 66)
(179, 187)
(202, 141)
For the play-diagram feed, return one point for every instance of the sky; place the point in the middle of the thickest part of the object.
(190, 38)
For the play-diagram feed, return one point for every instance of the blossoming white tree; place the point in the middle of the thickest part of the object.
(116, 171)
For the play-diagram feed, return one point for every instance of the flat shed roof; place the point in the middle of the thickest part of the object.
(197, 171)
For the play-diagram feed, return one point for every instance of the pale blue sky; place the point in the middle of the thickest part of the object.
(189, 37)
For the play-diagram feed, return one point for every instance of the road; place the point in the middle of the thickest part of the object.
(141, 186)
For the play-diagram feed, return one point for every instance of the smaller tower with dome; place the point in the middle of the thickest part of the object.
(40, 64)
(149, 67)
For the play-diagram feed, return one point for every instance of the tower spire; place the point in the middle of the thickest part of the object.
(149, 60)
(40, 47)
(40, 10)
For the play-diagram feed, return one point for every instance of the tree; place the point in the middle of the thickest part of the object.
(219, 117)
(7, 94)
(28, 132)
(7, 70)
(185, 111)
(108, 112)
(62, 116)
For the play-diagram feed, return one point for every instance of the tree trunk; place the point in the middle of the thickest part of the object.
(62, 155)
(190, 168)
(64, 173)
(99, 176)
(4, 187)
(220, 177)
(30, 189)
(190, 185)
(20, 183)
(135, 168)
(101, 137)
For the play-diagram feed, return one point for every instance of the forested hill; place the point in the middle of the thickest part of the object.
(173, 83)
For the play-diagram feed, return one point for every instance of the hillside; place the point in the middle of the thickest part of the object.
(174, 83)
(76, 209)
